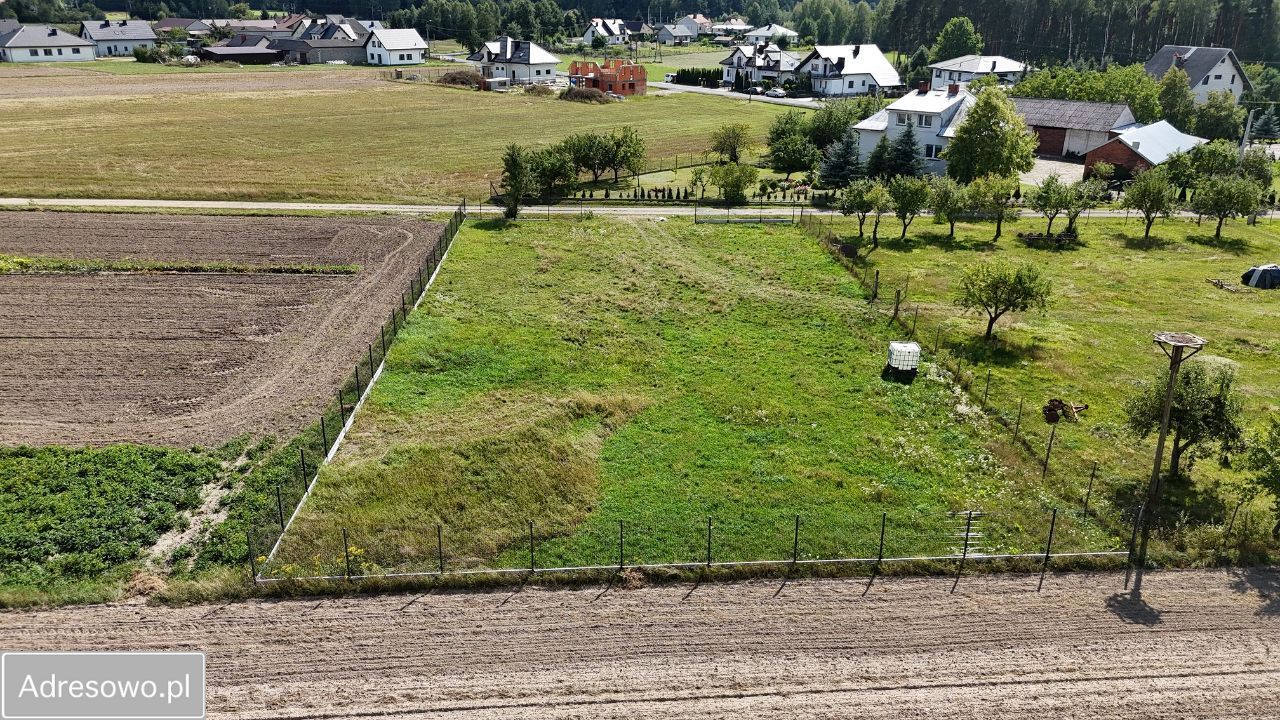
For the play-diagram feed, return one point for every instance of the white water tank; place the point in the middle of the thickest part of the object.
(904, 355)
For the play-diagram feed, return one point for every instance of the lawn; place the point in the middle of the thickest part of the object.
(133, 67)
(582, 373)
(1094, 344)
(384, 142)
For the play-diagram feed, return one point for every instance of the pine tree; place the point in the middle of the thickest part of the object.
(844, 162)
(904, 154)
(879, 163)
(1267, 126)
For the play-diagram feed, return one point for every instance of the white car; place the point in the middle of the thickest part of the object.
(776, 93)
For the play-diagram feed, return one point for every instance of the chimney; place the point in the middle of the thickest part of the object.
(124, 23)
(53, 32)
(993, 66)
(105, 24)
(953, 89)
(924, 87)
(856, 50)
(1135, 145)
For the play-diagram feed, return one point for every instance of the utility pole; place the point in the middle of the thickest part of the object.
(1248, 128)
(1173, 344)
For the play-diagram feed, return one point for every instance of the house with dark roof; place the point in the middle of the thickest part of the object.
(675, 35)
(317, 51)
(757, 63)
(244, 49)
(1209, 69)
(8, 26)
(638, 28)
(1071, 128)
(613, 31)
(1141, 148)
(519, 62)
(44, 43)
(118, 39)
(190, 26)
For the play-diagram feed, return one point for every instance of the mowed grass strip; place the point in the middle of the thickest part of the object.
(1111, 292)
(389, 142)
(579, 374)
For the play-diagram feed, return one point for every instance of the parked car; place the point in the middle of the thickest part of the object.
(776, 93)
(615, 96)
(755, 90)
(669, 77)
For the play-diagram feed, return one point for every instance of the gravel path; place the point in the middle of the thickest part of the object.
(1207, 646)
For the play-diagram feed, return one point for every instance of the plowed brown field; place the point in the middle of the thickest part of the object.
(177, 359)
(1206, 646)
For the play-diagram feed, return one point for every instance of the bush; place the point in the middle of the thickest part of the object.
(462, 78)
(149, 55)
(539, 91)
(584, 95)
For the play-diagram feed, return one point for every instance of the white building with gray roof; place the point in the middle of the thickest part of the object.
(119, 38)
(43, 43)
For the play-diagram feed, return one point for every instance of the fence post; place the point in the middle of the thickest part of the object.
(1089, 492)
(987, 388)
(620, 555)
(795, 543)
(884, 519)
(937, 335)
(346, 552)
(1133, 542)
(342, 408)
(1048, 546)
(708, 541)
(253, 560)
(875, 287)
(914, 318)
(371, 366)
(324, 435)
(897, 300)
(1017, 425)
(533, 567)
(1048, 451)
(302, 463)
(440, 547)
(359, 391)
(279, 507)
(964, 553)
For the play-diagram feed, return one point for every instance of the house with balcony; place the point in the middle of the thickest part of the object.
(757, 63)
(933, 114)
(613, 31)
(967, 67)
(519, 62)
(848, 70)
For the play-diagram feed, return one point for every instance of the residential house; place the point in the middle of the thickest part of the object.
(697, 24)
(757, 63)
(614, 32)
(1208, 69)
(335, 27)
(1071, 128)
(638, 28)
(675, 35)
(118, 39)
(934, 114)
(43, 43)
(8, 26)
(616, 76)
(1140, 148)
(519, 62)
(394, 47)
(771, 33)
(731, 27)
(257, 28)
(967, 67)
(318, 51)
(243, 49)
(846, 70)
(192, 27)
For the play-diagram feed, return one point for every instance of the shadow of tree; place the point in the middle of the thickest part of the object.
(494, 224)
(936, 239)
(1263, 581)
(1134, 611)
(1137, 242)
(1235, 246)
(998, 352)
(1058, 244)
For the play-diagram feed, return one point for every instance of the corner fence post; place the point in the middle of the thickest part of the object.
(964, 553)
(1048, 546)
(795, 543)
(440, 547)
(253, 560)
(620, 555)
(708, 541)
(533, 567)
(346, 552)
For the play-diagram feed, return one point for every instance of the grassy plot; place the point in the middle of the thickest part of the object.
(1111, 291)
(579, 374)
(387, 142)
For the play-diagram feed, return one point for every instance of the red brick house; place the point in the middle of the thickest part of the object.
(1141, 148)
(616, 76)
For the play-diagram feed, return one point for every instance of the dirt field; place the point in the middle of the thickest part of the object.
(1205, 647)
(177, 359)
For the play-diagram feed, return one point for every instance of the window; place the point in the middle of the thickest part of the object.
(902, 118)
(937, 73)
(1205, 81)
(75, 51)
(48, 52)
(35, 53)
(924, 121)
(1233, 80)
(850, 84)
(59, 51)
(1217, 77)
(932, 152)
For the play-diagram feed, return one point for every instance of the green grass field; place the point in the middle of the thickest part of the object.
(1094, 344)
(132, 67)
(584, 373)
(389, 142)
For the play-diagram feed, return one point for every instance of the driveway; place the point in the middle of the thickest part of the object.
(1044, 167)
(810, 103)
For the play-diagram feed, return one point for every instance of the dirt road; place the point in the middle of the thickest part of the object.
(1207, 646)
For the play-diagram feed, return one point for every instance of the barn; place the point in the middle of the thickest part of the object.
(1071, 128)
(1140, 148)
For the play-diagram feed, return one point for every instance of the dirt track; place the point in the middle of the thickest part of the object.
(180, 359)
(1208, 646)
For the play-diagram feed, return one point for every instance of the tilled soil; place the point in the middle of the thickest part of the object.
(182, 359)
(1205, 644)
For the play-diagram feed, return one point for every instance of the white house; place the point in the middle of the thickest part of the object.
(1209, 69)
(697, 24)
(732, 26)
(518, 61)
(934, 114)
(758, 63)
(117, 39)
(846, 70)
(613, 31)
(394, 47)
(675, 35)
(43, 43)
(771, 33)
(967, 67)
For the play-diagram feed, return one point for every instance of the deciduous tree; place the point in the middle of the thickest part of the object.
(1205, 413)
(958, 37)
(949, 199)
(733, 180)
(517, 179)
(995, 288)
(992, 140)
(731, 141)
(793, 153)
(1050, 198)
(993, 194)
(1219, 117)
(1151, 194)
(1177, 102)
(910, 197)
(1225, 196)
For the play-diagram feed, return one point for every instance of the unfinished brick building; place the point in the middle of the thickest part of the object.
(616, 76)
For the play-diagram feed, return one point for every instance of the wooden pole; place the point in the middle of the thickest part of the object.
(1048, 451)
(964, 553)
(1017, 425)
(279, 507)
(986, 389)
(346, 552)
(795, 543)
(1089, 492)
(708, 541)
(884, 519)
(440, 547)
(1048, 546)
(897, 301)
(937, 334)
(914, 318)
(533, 566)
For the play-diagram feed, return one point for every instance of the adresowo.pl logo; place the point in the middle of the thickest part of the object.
(101, 686)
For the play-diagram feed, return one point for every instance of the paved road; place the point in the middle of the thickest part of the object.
(1205, 644)
(810, 103)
